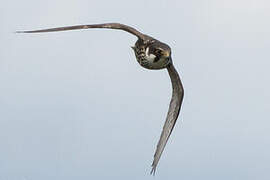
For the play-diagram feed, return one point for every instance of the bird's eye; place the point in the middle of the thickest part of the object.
(158, 51)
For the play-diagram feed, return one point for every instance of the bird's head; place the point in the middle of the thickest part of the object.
(161, 53)
(160, 50)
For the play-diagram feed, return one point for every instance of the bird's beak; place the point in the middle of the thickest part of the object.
(166, 53)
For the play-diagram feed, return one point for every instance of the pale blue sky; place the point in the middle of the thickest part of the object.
(76, 105)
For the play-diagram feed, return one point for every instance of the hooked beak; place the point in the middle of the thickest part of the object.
(166, 53)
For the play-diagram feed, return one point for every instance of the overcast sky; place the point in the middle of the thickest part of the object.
(77, 105)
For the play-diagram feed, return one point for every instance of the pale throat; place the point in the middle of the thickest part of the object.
(149, 57)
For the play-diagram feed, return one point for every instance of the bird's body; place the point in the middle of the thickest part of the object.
(151, 54)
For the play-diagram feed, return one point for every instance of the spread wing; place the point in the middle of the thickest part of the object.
(174, 109)
(106, 25)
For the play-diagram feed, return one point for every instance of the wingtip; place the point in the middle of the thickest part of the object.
(153, 171)
(27, 31)
(20, 32)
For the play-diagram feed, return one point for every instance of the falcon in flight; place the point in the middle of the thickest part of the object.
(150, 54)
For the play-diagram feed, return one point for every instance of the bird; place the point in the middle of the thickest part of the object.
(151, 54)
